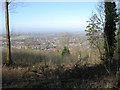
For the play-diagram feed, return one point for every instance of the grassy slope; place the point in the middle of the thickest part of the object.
(30, 70)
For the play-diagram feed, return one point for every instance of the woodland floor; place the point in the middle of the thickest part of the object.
(70, 76)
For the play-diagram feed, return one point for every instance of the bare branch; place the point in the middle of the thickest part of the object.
(9, 3)
(13, 4)
(100, 11)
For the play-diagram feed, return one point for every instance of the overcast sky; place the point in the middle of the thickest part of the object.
(49, 16)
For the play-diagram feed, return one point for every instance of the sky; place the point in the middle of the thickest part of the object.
(49, 16)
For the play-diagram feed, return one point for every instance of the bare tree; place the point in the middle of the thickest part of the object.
(8, 7)
(9, 61)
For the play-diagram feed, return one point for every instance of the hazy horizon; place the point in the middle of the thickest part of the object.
(46, 31)
(49, 17)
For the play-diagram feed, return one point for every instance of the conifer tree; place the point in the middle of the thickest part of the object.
(65, 52)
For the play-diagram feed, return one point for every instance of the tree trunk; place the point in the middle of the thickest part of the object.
(8, 61)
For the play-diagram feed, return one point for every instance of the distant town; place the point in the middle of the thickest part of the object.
(46, 42)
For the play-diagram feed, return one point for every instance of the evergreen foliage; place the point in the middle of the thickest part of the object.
(65, 52)
(109, 30)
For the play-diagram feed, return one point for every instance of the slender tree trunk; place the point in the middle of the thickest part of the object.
(8, 62)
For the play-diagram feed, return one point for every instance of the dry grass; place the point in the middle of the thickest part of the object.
(66, 76)
(30, 57)
(31, 70)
